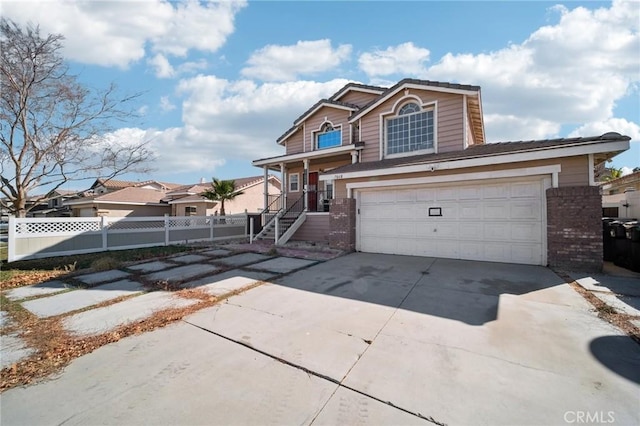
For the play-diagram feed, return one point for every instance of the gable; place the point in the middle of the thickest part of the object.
(449, 120)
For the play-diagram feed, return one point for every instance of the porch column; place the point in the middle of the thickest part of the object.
(354, 157)
(266, 186)
(284, 188)
(305, 181)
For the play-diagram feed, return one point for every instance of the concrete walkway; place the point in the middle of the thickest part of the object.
(217, 271)
(361, 339)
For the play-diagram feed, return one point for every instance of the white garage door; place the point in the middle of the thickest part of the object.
(490, 220)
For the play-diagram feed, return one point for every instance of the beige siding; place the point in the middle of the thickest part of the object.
(252, 200)
(448, 115)
(202, 209)
(450, 123)
(336, 116)
(358, 98)
(574, 172)
(314, 228)
(294, 143)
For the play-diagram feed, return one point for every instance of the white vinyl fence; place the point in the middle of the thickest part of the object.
(32, 238)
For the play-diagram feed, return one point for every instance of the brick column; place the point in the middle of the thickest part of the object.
(574, 228)
(342, 224)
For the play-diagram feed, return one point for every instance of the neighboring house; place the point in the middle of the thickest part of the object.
(131, 201)
(56, 205)
(102, 186)
(621, 196)
(407, 171)
(152, 198)
(188, 201)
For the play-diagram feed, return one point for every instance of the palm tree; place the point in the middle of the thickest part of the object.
(222, 190)
(613, 174)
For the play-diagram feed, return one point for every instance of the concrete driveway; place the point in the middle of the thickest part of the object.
(362, 339)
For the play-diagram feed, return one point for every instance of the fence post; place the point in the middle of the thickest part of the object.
(277, 231)
(103, 228)
(211, 227)
(251, 230)
(11, 241)
(166, 229)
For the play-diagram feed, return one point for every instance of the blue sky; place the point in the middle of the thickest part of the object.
(221, 81)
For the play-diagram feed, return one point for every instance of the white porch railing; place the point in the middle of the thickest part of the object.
(32, 238)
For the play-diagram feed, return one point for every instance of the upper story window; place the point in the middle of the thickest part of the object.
(411, 130)
(328, 137)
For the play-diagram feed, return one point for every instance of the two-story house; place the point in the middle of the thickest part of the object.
(406, 170)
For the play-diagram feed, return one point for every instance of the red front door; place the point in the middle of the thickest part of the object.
(312, 193)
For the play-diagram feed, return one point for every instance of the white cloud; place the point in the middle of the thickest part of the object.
(161, 66)
(175, 150)
(166, 105)
(229, 119)
(114, 33)
(572, 72)
(626, 170)
(285, 63)
(502, 128)
(405, 59)
(619, 125)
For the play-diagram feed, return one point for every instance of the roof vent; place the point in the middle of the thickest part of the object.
(611, 135)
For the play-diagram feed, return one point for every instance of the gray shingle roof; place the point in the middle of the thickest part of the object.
(402, 82)
(477, 151)
(357, 85)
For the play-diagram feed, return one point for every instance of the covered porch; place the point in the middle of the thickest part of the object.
(300, 177)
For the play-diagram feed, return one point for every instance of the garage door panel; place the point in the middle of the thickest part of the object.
(446, 230)
(495, 191)
(470, 211)
(407, 195)
(497, 210)
(530, 232)
(406, 211)
(444, 194)
(472, 250)
(470, 193)
(526, 210)
(496, 251)
(426, 194)
(521, 253)
(526, 190)
(406, 229)
(497, 220)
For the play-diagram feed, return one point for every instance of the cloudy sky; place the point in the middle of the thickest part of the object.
(222, 80)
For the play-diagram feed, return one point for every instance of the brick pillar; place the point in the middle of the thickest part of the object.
(574, 228)
(342, 224)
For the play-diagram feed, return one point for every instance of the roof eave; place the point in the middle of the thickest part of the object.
(410, 85)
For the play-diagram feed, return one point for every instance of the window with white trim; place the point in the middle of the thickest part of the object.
(411, 130)
(328, 189)
(328, 137)
(190, 211)
(294, 182)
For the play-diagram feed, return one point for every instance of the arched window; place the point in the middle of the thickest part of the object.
(411, 130)
(328, 136)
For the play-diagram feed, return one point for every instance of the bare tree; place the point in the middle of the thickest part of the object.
(52, 127)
